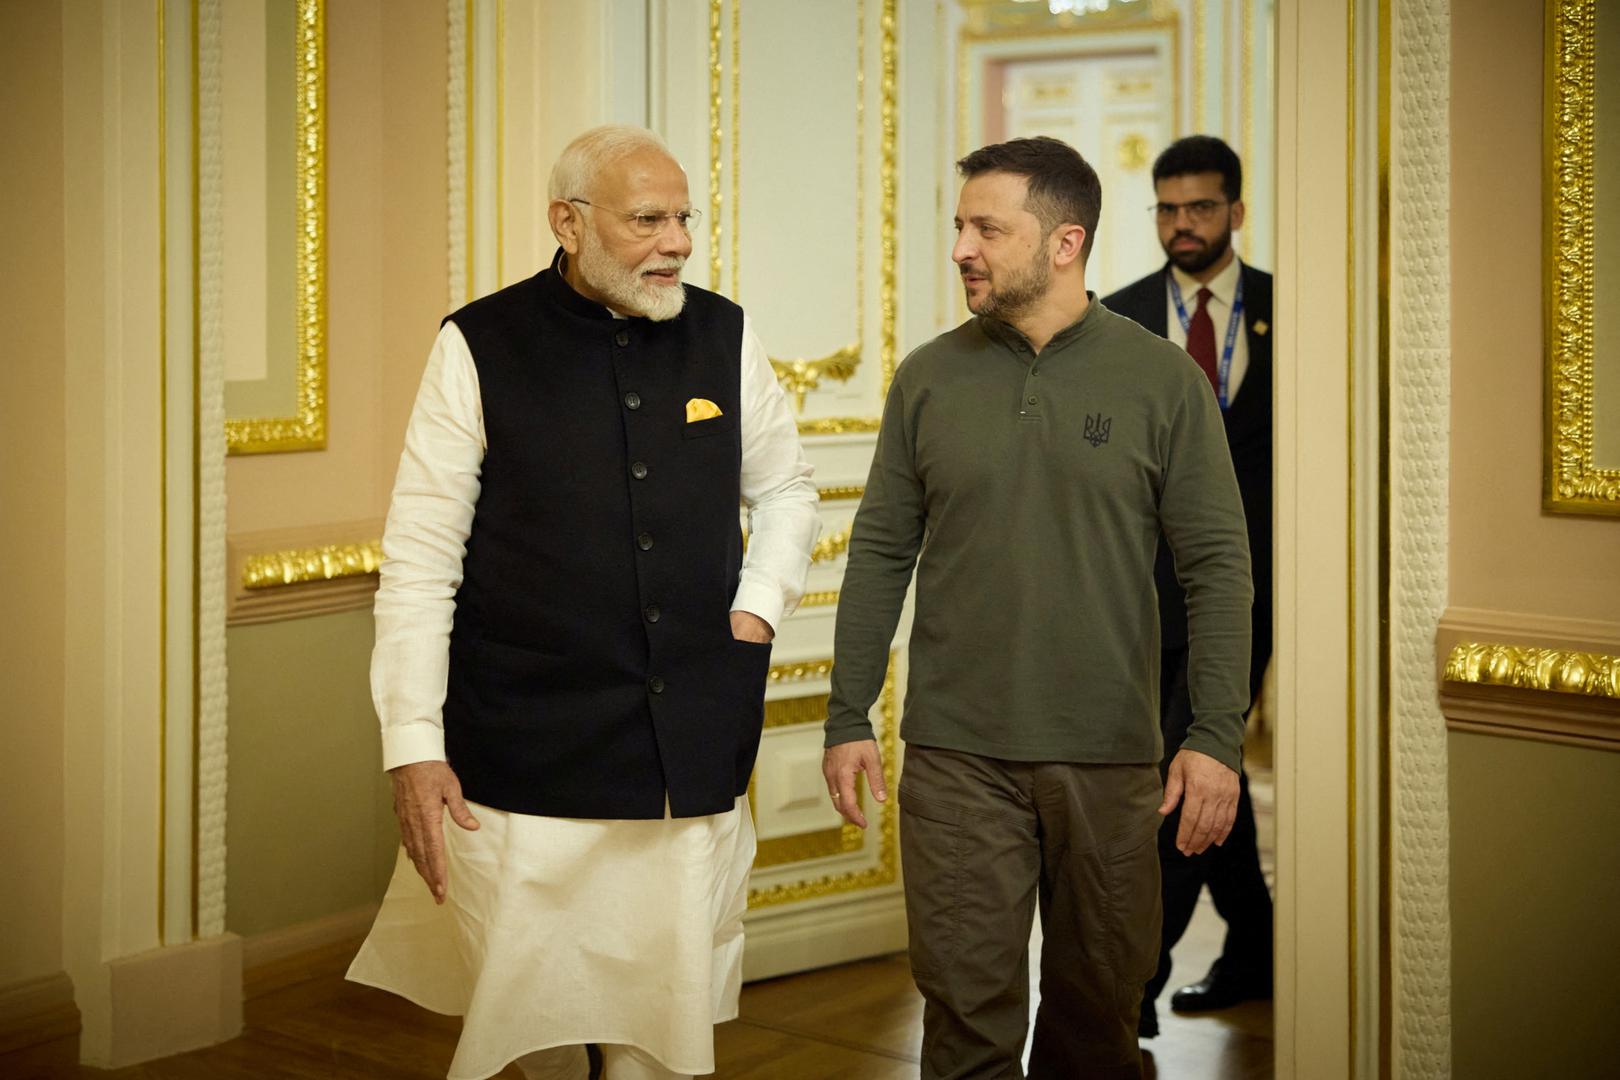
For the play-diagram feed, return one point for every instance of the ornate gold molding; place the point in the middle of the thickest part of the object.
(299, 573)
(1527, 667)
(715, 131)
(1573, 484)
(840, 425)
(825, 598)
(842, 493)
(1564, 689)
(800, 671)
(302, 565)
(306, 428)
(799, 377)
(886, 870)
(887, 90)
(832, 545)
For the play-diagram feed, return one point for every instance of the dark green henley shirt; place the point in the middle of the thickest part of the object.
(1029, 491)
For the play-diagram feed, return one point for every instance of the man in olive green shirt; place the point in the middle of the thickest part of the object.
(1027, 462)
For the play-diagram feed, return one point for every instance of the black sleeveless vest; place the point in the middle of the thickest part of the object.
(592, 667)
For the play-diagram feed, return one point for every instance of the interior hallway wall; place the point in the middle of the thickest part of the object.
(1533, 825)
(33, 510)
(312, 825)
(310, 830)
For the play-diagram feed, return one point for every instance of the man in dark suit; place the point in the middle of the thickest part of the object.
(1219, 309)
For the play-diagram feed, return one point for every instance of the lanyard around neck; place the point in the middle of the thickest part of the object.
(1232, 324)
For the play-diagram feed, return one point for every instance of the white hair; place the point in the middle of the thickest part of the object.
(584, 159)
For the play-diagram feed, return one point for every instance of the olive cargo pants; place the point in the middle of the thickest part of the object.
(982, 841)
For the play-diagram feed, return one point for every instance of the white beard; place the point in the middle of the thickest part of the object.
(627, 292)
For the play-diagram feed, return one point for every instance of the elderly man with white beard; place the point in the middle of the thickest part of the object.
(572, 647)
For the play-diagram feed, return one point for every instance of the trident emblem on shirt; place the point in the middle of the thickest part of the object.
(1097, 428)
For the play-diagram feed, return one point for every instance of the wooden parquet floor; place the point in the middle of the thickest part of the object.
(859, 1021)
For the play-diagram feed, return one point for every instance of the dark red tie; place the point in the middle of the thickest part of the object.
(1201, 340)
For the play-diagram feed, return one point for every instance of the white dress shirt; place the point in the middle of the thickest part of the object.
(431, 514)
(1223, 290)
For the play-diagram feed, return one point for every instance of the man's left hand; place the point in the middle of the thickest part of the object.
(746, 626)
(1211, 791)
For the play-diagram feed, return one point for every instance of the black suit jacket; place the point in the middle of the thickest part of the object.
(1248, 434)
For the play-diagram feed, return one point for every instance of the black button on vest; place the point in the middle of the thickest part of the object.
(563, 697)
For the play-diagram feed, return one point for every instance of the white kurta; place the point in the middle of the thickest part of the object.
(558, 931)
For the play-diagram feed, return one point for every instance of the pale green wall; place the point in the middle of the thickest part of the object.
(1535, 909)
(310, 828)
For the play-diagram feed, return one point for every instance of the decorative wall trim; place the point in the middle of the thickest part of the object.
(846, 492)
(1559, 683)
(886, 870)
(818, 843)
(458, 157)
(306, 428)
(800, 376)
(1417, 298)
(212, 766)
(840, 425)
(299, 573)
(1552, 671)
(800, 671)
(832, 545)
(301, 565)
(1573, 483)
(37, 1011)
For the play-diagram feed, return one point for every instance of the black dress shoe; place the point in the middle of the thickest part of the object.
(1220, 990)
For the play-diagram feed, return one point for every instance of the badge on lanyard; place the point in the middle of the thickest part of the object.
(1232, 324)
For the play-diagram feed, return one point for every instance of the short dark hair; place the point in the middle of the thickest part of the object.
(1202, 154)
(1063, 188)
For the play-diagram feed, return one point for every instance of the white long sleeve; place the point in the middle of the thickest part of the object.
(776, 486)
(424, 543)
(431, 514)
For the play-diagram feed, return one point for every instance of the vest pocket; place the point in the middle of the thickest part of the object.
(511, 677)
(714, 425)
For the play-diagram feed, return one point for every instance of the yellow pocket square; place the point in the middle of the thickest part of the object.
(700, 408)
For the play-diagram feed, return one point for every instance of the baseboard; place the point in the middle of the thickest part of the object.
(303, 951)
(169, 1000)
(37, 1011)
(782, 941)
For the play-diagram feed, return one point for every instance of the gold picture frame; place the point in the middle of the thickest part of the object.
(1573, 481)
(305, 428)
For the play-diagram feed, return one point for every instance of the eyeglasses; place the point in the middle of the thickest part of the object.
(649, 223)
(1198, 211)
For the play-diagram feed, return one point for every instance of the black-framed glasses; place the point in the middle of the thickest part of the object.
(1198, 210)
(648, 223)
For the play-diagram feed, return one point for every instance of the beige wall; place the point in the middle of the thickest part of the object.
(311, 824)
(309, 831)
(33, 514)
(1532, 825)
(1534, 896)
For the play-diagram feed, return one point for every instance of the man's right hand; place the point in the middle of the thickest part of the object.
(841, 764)
(421, 792)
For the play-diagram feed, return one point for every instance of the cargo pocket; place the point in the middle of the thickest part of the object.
(933, 859)
(1135, 900)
